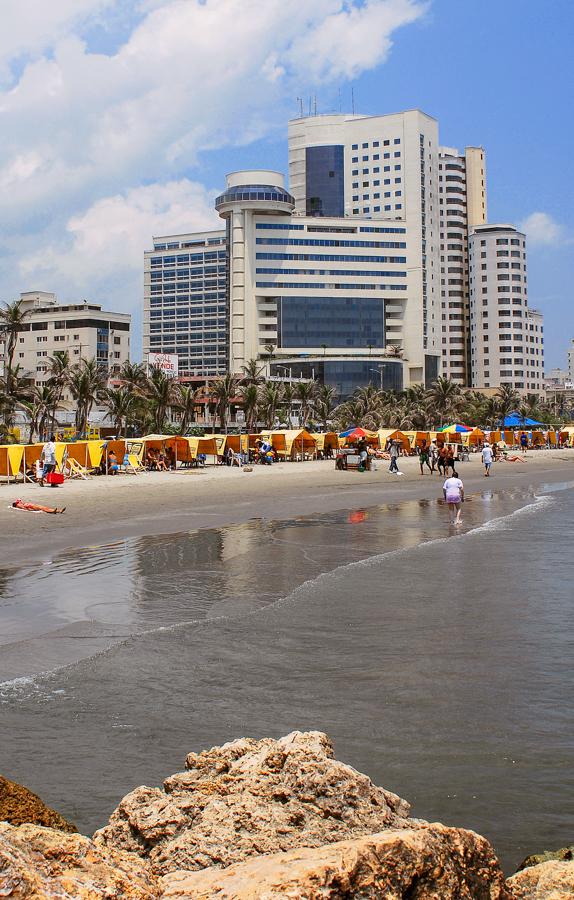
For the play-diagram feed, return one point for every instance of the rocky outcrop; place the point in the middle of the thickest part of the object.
(44, 864)
(429, 863)
(565, 854)
(19, 805)
(247, 798)
(552, 880)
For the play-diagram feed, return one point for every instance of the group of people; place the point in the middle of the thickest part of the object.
(441, 459)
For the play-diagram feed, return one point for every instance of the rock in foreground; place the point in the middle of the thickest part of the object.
(248, 798)
(19, 805)
(547, 881)
(429, 863)
(42, 864)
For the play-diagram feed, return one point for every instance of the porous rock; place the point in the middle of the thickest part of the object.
(251, 797)
(38, 863)
(19, 805)
(553, 880)
(566, 854)
(429, 863)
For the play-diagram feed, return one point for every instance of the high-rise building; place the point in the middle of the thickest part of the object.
(361, 268)
(507, 343)
(185, 307)
(462, 204)
(84, 330)
(383, 168)
(324, 293)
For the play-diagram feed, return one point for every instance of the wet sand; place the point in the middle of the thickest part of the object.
(104, 509)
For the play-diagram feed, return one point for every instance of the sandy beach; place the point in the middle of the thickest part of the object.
(106, 509)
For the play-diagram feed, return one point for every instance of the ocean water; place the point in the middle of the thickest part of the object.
(439, 661)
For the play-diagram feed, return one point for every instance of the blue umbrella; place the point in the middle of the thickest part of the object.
(514, 420)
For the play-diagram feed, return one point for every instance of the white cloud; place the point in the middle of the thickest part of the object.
(84, 130)
(29, 27)
(541, 228)
(108, 239)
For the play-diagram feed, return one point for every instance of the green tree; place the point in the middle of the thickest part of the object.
(508, 400)
(253, 372)
(223, 390)
(444, 399)
(187, 400)
(12, 323)
(159, 393)
(305, 392)
(249, 400)
(86, 380)
(119, 403)
(270, 397)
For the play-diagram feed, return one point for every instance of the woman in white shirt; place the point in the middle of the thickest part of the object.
(453, 490)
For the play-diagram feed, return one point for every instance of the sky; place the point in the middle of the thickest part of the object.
(120, 119)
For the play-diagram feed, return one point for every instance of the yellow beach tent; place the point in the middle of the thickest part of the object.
(416, 438)
(288, 444)
(11, 458)
(385, 433)
(325, 440)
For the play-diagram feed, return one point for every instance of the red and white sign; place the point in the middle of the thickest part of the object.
(167, 362)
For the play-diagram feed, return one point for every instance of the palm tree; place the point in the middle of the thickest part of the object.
(133, 375)
(159, 393)
(59, 368)
(305, 392)
(249, 398)
(270, 351)
(444, 398)
(86, 380)
(394, 351)
(12, 317)
(270, 396)
(508, 400)
(253, 372)
(223, 389)
(187, 400)
(119, 403)
(325, 403)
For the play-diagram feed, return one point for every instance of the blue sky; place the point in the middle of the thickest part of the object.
(120, 119)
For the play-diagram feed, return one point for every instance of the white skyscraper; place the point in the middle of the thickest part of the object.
(462, 202)
(507, 343)
(384, 168)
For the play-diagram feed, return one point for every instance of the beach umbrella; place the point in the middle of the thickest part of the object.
(456, 427)
(355, 433)
(514, 420)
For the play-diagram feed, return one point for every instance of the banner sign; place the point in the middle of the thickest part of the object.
(167, 362)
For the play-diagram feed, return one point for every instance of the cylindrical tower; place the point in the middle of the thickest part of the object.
(249, 192)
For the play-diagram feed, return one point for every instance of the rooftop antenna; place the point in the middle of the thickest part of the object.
(353, 100)
(310, 101)
(315, 106)
(340, 102)
(300, 102)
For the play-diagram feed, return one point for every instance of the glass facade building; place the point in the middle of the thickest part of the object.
(325, 180)
(185, 308)
(332, 321)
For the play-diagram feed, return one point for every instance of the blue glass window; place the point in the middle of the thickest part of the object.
(325, 180)
(335, 321)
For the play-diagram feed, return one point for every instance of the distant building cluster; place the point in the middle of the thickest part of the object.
(82, 329)
(378, 264)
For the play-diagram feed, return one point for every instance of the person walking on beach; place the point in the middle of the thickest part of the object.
(441, 460)
(453, 491)
(394, 454)
(424, 457)
(524, 441)
(48, 456)
(433, 456)
(487, 457)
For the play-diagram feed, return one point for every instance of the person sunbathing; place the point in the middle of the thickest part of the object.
(36, 507)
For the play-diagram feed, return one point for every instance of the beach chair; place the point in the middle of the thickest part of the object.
(131, 465)
(75, 469)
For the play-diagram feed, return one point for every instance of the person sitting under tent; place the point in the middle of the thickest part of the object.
(36, 507)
